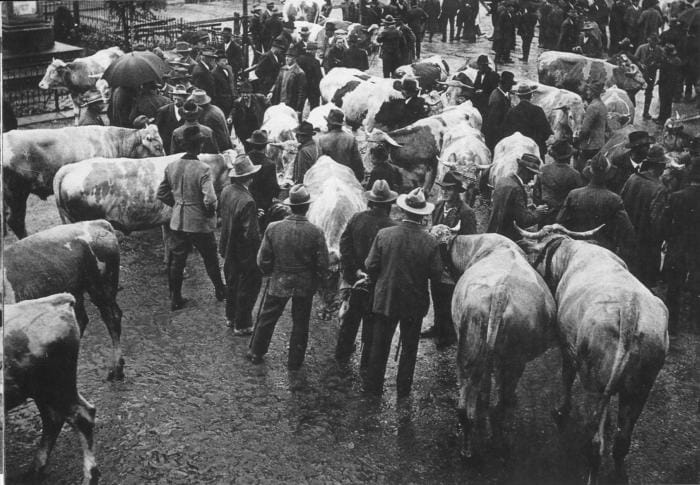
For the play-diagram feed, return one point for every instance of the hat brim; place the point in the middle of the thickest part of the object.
(639, 143)
(254, 142)
(303, 132)
(256, 169)
(207, 100)
(288, 202)
(459, 187)
(372, 198)
(424, 211)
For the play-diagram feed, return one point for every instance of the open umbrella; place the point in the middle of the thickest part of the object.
(134, 69)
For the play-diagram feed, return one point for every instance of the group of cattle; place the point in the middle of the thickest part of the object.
(108, 177)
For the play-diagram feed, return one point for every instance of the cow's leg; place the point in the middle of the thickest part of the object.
(166, 245)
(51, 424)
(568, 375)
(80, 313)
(16, 202)
(112, 316)
(508, 374)
(631, 403)
(82, 419)
(595, 448)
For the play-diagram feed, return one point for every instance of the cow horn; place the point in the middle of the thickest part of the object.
(577, 235)
(456, 229)
(277, 145)
(484, 167)
(533, 235)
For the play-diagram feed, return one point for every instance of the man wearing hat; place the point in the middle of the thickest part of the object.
(416, 18)
(264, 187)
(202, 75)
(528, 119)
(256, 32)
(401, 261)
(340, 145)
(213, 117)
(147, 102)
(168, 117)
(189, 113)
(510, 200)
(408, 54)
(188, 188)
(382, 169)
(415, 107)
(290, 86)
(682, 265)
(269, 66)
(304, 33)
(595, 119)
(308, 153)
(451, 211)
(355, 243)
(669, 80)
(272, 27)
(556, 180)
(649, 56)
(233, 51)
(638, 143)
(590, 44)
(184, 50)
(568, 32)
(239, 244)
(354, 56)
(588, 207)
(308, 63)
(334, 54)
(224, 83)
(650, 21)
(393, 44)
(497, 109)
(179, 75)
(119, 106)
(328, 38)
(91, 114)
(295, 271)
(646, 201)
(448, 14)
(486, 82)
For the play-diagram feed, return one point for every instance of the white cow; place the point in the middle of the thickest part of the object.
(280, 121)
(620, 108)
(467, 155)
(506, 154)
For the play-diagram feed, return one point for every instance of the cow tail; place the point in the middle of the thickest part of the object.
(627, 330)
(58, 193)
(479, 341)
(499, 300)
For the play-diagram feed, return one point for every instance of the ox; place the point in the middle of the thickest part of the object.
(506, 154)
(336, 196)
(73, 258)
(79, 75)
(30, 158)
(428, 71)
(279, 122)
(466, 155)
(620, 108)
(340, 81)
(309, 10)
(574, 72)
(612, 329)
(504, 315)
(41, 346)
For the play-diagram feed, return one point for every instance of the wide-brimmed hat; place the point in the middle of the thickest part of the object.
(305, 128)
(190, 111)
(335, 117)
(92, 98)
(258, 137)
(141, 122)
(182, 47)
(525, 89)
(179, 89)
(226, 31)
(293, 51)
(561, 150)
(530, 162)
(388, 20)
(329, 26)
(637, 138)
(304, 31)
(452, 180)
(208, 53)
(656, 156)
(381, 193)
(409, 83)
(599, 167)
(242, 167)
(179, 73)
(298, 195)
(414, 202)
(508, 78)
(200, 97)
(482, 60)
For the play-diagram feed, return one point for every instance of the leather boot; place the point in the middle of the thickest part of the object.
(176, 300)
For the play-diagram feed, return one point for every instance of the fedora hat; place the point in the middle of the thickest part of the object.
(226, 31)
(381, 192)
(200, 97)
(329, 26)
(410, 84)
(298, 195)
(92, 98)
(530, 162)
(179, 89)
(293, 51)
(258, 137)
(482, 60)
(335, 117)
(414, 202)
(304, 30)
(183, 47)
(599, 167)
(525, 89)
(179, 72)
(305, 128)
(190, 111)
(507, 78)
(452, 180)
(561, 150)
(208, 53)
(242, 167)
(388, 20)
(656, 156)
(637, 138)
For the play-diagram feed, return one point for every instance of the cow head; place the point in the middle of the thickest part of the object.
(627, 75)
(283, 154)
(54, 74)
(151, 145)
(539, 246)
(445, 234)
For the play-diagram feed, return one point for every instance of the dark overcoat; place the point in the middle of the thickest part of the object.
(342, 147)
(357, 239)
(462, 214)
(529, 120)
(203, 78)
(167, 122)
(510, 205)
(264, 186)
(240, 233)
(498, 108)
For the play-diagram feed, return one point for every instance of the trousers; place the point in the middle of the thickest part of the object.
(384, 328)
(243, 283)
(359, 310)
(271, 312)
(181, 244)
(441, 294)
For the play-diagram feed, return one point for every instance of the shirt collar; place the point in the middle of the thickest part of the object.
(177, 112)
(297, 217)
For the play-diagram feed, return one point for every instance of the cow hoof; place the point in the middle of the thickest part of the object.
(116, 374)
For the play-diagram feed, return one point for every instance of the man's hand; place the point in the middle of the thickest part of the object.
(361, 275)
(268, 97)
(261, 213)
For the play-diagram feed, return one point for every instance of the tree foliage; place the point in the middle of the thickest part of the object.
(126, 10)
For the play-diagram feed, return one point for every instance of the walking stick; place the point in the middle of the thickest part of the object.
(257, 318)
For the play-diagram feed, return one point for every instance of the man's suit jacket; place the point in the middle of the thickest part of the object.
(357, 239)
(529, 120)
(223, 86)
(203, 78)
(264, 187)
(167, 123)
(510, 205)
(342, 147)
(240, 233)
(462, 214)
(623, 169)
(234, 54)
(209, 144)
(214, 118)
(498, 107)
(487, 83)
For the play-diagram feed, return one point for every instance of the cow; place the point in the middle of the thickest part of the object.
(613, 333)
(620, 108)
(336, 196)
(279, 122)
(79, 75)
(428, 71)
(506, 154)
(30, 158)
(309, 10)
(465, 155)
(340, 81)
(317, 116)
(73, 258)
(41, 346)
(504, 315)
(574, 72)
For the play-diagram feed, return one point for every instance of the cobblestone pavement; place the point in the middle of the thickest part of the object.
(193, 410)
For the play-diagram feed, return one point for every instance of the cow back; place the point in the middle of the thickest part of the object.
(337, 78)
(506, 154)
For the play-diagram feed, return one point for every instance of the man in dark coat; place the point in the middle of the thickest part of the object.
(432, 9)
(528, 119)
(505, 29)
(401, 261)
(448, 13)
(510, 200)
(355, 243)
(308, 153)
(648, 57)
(416, 107)
(556, 180)
(393, 44)
(187, 187)
(453, 212)
(312, 70)
(189, 114)
(213, 117)
(487, 80)
(272, 28)
(682, 265)
(629, 162)
(496, 110)
(202, 74)
(256, 32)
(340, 145)
(240, 241)
(168, 117)
(91, 111)
(224, 82)
(646, 200)
(526, 30)
(290, 87)
(147, 102)
(416, 19)
(233, 52)
(669, 80)
(268, 67)
(354, 56)
(264, 187)
(294, 256)
(617, 24)
(382, 169)
(568, 36)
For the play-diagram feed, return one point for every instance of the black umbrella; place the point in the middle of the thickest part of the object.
(134, 69)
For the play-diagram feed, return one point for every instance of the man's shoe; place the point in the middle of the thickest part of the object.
(430, 333)
(177, 304)
(220, 293)
(242, 332)
(254, 358)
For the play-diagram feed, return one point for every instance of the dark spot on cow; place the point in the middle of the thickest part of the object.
(337, 98)
(391, 114)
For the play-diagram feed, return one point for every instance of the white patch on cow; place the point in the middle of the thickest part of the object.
(317, 116)
(506, 153)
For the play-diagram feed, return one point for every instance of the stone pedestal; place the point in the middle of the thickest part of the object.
(23, 29)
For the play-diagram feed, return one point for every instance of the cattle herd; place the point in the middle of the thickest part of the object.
(511, 302)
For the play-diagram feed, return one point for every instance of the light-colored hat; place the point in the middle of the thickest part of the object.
(243, 167)
(381, 192)
(179, 89)
(298, 195)
(414, 202)
(525, 89)
(92, 98)
(200, 97)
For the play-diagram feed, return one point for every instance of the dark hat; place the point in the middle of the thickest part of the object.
(525, 89)
(279, 43)
(507, 78)
(92, 98)
(452, 180)
(599, 167)
(330, 26)
(293, 51)
(226, 31)
(259, 137)
(183, 47)
(482, 60)
(388, 20)
(190, 111)
(179, 73)
(242, 167)
(335, 117)
(381, 192)
(305, 128)
(656, 156)
(352, 38)
(530, 162)
(192, 134)
(208, 53)
(201, 35)
(311, 46)
(270, 4)
(200, 97)
(141, 122)
(409, 84)
(298, 195)
(694, 171)
(414, 202)
(561, 150)
(637, 138)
